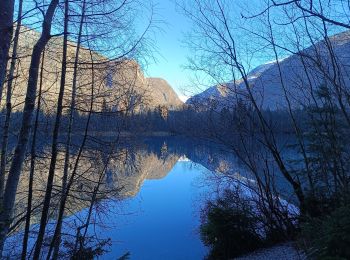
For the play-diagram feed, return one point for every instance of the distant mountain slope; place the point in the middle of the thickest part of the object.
(163, 93)
(301, 73)
(118, 84)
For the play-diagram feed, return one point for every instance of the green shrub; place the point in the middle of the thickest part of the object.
(328, 237)
(229, 228)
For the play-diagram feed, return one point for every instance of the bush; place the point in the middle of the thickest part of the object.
(229, 228)
(328, 237)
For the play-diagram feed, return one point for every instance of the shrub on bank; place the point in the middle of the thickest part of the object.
(328, 237)
(229, 228)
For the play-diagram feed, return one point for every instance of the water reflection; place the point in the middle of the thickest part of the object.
(148, 194)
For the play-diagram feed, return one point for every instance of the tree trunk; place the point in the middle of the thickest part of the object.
(8, 103)
(32, 164)
(56, 240)
(81, 147)
(54, 147)
(6, 31)
(18, 158)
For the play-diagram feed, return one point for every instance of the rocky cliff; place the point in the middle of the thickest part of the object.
(163, 93)
(119, 84)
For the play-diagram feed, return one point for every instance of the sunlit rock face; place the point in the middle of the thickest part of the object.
(302, 74)
(163, 93)
(144, 93)
(117, 85)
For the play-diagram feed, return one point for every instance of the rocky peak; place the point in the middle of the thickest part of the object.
(163, 93)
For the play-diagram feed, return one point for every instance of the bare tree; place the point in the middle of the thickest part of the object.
(5, 134)
(54, 148)
(17, 162)
(98, 17)
(6, 31)
(57, 235)
(33, 154)
(212, 23)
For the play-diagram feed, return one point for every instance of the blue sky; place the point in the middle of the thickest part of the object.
(171, 54)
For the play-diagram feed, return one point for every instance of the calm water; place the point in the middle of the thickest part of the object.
(162, 184)
(161, 221)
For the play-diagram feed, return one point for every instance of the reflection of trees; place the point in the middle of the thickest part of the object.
(123, 172)
(126, 170)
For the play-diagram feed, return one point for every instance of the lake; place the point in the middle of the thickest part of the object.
(161, 221)
(150, 197)
(161, 218)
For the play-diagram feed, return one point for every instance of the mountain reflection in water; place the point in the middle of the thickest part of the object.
(152, 193)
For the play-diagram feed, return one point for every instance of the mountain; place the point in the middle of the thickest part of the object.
(118, 84)
(302, 73)
(163, 93)
(132, 170)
